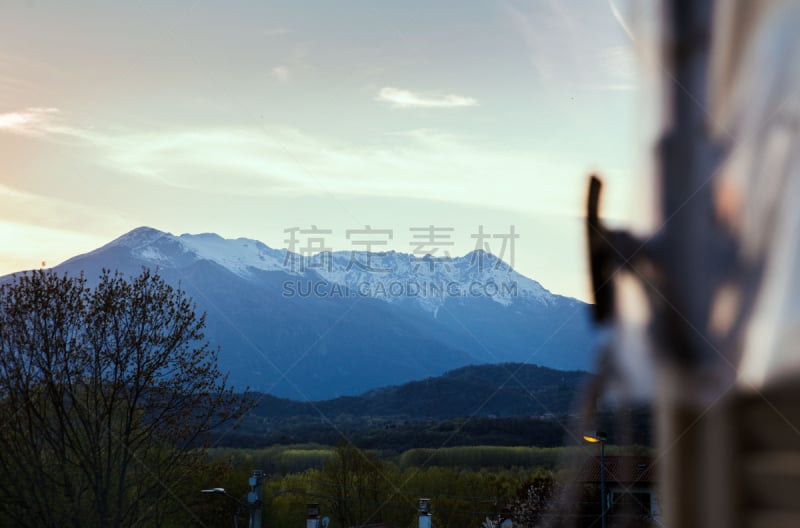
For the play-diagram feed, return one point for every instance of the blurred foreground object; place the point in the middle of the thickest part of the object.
(720, 279)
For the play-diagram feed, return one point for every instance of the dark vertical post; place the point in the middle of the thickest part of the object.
(603, 484)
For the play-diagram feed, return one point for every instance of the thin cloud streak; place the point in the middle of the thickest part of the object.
(26, 208)
(277, 161)
(399, 98)
(32, 121)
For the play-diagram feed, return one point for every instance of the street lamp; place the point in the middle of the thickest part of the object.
(253, 500)
(239, 504)
(600, 437)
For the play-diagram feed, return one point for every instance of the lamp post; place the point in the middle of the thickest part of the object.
(600, 437)
(239, 504)
(253, 504)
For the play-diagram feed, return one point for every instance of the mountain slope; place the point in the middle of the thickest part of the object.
(508, 389)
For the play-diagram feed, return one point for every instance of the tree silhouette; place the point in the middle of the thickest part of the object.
(106, 393)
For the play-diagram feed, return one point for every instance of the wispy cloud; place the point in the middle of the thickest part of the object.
(280, 73)
(284, 162)
(407, 99)
(277, 161)
(32, 121)
(26, 208)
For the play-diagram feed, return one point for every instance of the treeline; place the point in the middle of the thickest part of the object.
(466, 485)
(484, 457)
(369, 432)
(275, 460)
(387, 494)
(284, 460)
(356, 487)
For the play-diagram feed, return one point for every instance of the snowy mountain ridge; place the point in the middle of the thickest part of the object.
(390, 276)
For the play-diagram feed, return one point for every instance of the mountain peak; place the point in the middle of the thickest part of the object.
(139, 236)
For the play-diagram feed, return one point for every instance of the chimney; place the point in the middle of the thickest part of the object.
(312, 515)
(256, 482)
(505, 518)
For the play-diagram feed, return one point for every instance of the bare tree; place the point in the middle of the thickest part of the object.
(354, 480)
(106, 393)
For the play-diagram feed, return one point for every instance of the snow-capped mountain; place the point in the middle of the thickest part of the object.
(427, 281)
(340, 323)
(240, 256)
(389, 276)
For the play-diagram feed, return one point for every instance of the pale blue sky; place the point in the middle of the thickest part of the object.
(247, 118)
